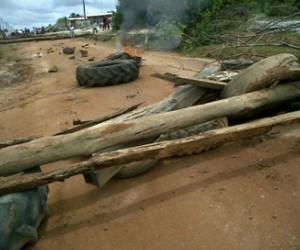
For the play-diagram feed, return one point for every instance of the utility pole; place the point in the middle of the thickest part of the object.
(84, 13)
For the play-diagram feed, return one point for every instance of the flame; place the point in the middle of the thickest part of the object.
(131, 50)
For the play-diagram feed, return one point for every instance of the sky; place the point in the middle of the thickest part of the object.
(37, 13)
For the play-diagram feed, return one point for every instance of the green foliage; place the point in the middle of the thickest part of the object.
(204, 30)
(63, 21)
(168, 36)
(204, 22)
(116, 19)
(73, 15)
(280, 10)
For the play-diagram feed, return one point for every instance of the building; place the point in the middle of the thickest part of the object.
(98, 18)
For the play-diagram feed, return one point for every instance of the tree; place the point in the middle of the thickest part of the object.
(62, 22)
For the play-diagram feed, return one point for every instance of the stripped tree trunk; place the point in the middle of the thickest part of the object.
(48, 149)
(182, 97)
(158, 150)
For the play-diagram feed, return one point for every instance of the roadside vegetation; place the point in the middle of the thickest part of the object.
(218, 28)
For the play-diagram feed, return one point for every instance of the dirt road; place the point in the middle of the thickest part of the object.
(244, 195)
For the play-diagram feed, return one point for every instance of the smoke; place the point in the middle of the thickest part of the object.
(158, 20)
(158, 17)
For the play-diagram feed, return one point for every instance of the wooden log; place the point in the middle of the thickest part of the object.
(16, 141)
(86, 142)
(83, 125)
(182, 97)
(202, 83)
(233, 64)
(158, 150)
(89, 123)
(39, 38)
(263, 74)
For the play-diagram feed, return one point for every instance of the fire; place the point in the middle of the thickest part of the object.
(131, 50)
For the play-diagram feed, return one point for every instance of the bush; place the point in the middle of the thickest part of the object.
(280, 10)
(168, 36)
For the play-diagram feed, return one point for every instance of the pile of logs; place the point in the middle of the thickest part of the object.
(132, 136)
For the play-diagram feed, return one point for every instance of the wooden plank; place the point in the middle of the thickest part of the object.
(86, 142)
(203, 83)
(157, 150)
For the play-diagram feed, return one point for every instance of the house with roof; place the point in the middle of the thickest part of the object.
(90, 19)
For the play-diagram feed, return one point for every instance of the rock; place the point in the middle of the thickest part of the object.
(53, 69)
(91, 59)
(72, 57)
(38, 55)
(68, 50)
(84, 53)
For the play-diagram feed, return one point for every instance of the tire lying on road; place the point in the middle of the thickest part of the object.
(108, 72)
(21, 214)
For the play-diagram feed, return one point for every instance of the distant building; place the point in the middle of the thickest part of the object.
(98, 18)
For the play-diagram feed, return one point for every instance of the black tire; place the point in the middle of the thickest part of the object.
(135, 169)
(21, 214)
(109, 72)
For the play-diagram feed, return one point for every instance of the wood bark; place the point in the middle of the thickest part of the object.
(16, 141)
(202, 83)
(89, 123)
(39, 38)
(86, 142)
(83, 125)
(158, 150)
(182, 97)
(262, 74)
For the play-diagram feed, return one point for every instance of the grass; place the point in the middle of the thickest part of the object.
(255, 49)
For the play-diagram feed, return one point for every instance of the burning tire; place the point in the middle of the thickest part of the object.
(108, 72)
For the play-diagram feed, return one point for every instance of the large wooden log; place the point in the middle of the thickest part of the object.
(83, 125)
(44, 150)
(262, 74)
(202, 83)
(182, 97)
(89, 123)
(158, 150)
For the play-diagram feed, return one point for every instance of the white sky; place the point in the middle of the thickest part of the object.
(36, 13)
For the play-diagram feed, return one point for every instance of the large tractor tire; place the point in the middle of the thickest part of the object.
(108, 72)
(21, 214)
(137, 168)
